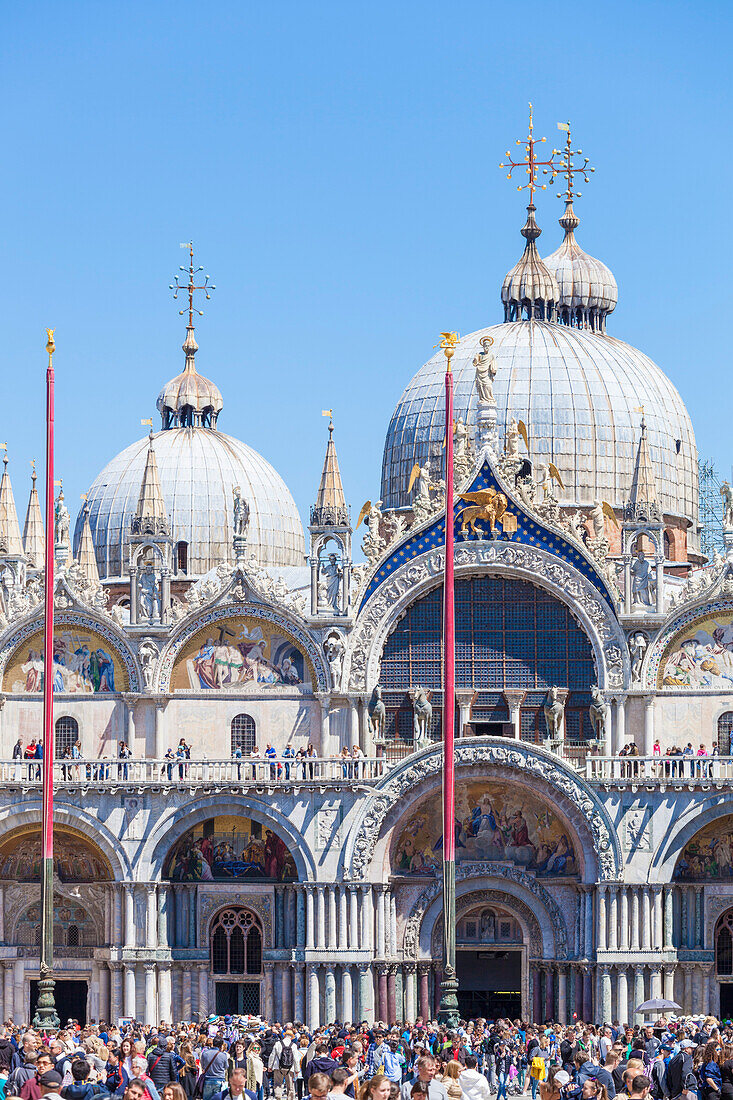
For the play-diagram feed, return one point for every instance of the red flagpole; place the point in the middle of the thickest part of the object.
(46, 1011)
(448, 1011)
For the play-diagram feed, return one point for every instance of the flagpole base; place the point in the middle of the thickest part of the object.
(448, 1014)
(46, 1016)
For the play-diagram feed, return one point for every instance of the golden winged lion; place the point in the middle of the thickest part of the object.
(485, 506)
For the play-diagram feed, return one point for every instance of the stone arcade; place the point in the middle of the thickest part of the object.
(306, 884)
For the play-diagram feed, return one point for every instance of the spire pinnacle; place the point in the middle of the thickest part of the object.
(643, 501)
(330, 508)
(10, 541)
(151, 517)
(190, 347)
(86, 557)
(34, 542)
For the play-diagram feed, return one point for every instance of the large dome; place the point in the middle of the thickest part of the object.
(579, 392)
(198, 469)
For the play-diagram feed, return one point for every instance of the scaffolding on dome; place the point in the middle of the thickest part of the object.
(711, 509)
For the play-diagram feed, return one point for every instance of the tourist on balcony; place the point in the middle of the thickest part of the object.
(183, 752)
(689, 752)
(271, 755)
(30, 754)
(66, 768)
(300, 761)
(346, 769)
(703, 766)
(288, 754)
(124, 752)
(311, 754)
(254, 756)
(358, 757)
(17, 755)
(237, 755)
(168, 767)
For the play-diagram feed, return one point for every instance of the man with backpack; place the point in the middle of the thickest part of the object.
(281, 1064)
(680, 1079)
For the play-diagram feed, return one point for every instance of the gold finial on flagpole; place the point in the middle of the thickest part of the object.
(50, 345)
(448, 345)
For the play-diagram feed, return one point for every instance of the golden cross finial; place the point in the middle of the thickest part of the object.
(530, 163)
(190, 288)
(569, 169)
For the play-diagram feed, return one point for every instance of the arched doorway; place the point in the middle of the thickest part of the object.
(490, 958)
(724, 961)
(235, 943)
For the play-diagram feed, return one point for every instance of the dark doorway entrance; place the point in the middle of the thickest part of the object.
(490, 984)
(71, 1000)
(237, 998)
(492, 729)
(726, 1000)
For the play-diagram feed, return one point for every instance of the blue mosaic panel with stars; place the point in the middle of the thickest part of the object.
(530, 532)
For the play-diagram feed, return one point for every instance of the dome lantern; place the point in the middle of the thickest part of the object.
(530, 291)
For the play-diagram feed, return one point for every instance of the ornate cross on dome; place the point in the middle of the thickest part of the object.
(569, 168)
(530, 163)
(190, 288)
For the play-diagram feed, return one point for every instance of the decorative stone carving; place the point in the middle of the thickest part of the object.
(149, 594)
(377, 714)
(465, 902)
(528, 759)
(485, 366)
(487, 870)
(727, 496)
(334, 649)
(148, 653)
(638, 644)
(413, 579)
(554, 711)
(422, 716)
(599, 714)
(62, 521)
(241, 513)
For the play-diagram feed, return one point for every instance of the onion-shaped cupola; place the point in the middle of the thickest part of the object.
(530, 291)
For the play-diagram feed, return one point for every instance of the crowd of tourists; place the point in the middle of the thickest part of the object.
(245, 1058)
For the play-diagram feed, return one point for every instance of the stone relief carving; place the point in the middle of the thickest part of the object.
(361, 666)
(499, 898)
(527, 758)
(212, 900)
(465, 871)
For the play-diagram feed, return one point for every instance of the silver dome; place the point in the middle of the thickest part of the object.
(587, 288)
(579, 393)
(198, 468)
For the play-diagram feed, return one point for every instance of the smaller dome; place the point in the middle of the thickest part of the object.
(587, 288)
(529, 290)
(189, 400)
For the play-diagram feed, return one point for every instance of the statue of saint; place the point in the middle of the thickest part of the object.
(727, 494)
(148, 597)
(62, 521)
(460, 436)
(642, 579)
(485, 365)
(330, 583)
(241, 513)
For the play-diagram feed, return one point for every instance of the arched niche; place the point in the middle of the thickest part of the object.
(86, 661)
(230, 848)
(708, 855)
(76, 858)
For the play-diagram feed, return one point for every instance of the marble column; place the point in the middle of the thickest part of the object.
(588, 945)
(366, 992)
(605, 994)
(656, 983)
(299, 992)
(330, 994)
(151, 994)
(279, 917)
(620, 724)
(299, 916)
(549, 993)
(269, 991)
(310, 925)
(130, 938)
(20, 999)
(410, 971)
(8, 1009)
(658, 935)
(313, 997)
(698, 918)
(367, 917)
(93, 997)
(622, 996)
(130, 994)
(116, 1005)
(668, 983)
(391, 994)
(187, 992)
(163, 910)
(320, 918)
(192, 937)
(165, 1001)
(588, 1006)
(638, 992)
(382, 1011)
(204, 990)
(151, 923)
(332, 937)
(353, 917)
(668, 918)
(379, 947)
(601, 941)
(117, 914)
(713, 993)
(613, 919)
(392, 923)
(347, 995)
(648, 725)
(343, 921)
(424, 991)
(635, 929)
(562, 995)
(646, 919)
(623, 919)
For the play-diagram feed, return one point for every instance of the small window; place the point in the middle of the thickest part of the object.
(181, 557)
(725, 729)
(667, 546)
(67, 734)
(72, 936)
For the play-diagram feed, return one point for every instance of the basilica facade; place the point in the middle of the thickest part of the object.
(248, 721)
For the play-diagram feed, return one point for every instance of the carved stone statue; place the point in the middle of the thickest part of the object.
(241, 513)
(599, 711)
(329, 584)
(422, 714)
(373, 544)
(421, 487)
(148, 593)
(334, 649)
(512, 439)
(638, 644)
(598, 520)
(727, 495)
(377, 714)
(485, 364)
(460, 439)
(148, 653)
(62, 521)
(642, 580)
(554, 715)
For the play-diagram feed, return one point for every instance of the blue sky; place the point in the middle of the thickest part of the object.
(336, 165)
